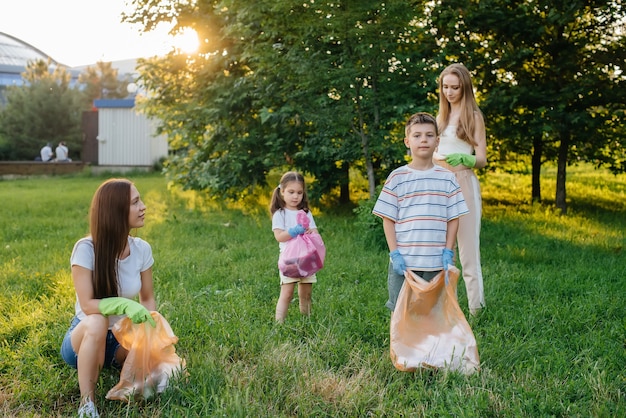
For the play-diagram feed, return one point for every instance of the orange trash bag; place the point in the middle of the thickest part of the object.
(428, 328)
(151, 360)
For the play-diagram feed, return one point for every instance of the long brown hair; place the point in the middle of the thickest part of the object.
(109, 229)
(278, 202)
(469, 107)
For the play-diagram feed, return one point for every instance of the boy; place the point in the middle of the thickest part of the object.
(420, 205)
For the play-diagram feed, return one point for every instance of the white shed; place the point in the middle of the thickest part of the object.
(127, 139)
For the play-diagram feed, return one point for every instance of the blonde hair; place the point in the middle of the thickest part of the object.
(469, 107)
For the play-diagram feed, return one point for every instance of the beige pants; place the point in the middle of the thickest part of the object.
(468, 237)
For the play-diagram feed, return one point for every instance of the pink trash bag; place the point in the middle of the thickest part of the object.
(428, 328)
(151, 361)
(303, 255)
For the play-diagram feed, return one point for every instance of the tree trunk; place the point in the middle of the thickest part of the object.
(561, 173)
(344, 184)
(365, 146)
(371, 178)
(536, 169)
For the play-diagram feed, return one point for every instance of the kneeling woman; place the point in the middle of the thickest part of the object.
(109, 269)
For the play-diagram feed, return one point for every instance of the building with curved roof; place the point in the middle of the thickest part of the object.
(15, 52)
(15, 55)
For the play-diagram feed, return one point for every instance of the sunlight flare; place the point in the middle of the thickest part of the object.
(186, 41)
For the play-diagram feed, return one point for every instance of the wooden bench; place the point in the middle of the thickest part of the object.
(33, 168)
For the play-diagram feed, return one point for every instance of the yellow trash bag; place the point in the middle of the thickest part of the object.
(151, 360)
(428, 328)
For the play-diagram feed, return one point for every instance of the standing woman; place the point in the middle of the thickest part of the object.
(462, 147)
(109, 269)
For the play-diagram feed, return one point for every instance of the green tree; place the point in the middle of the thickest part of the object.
(323, 86)
(102, 82)
(352, 72)
(205, 104)
(550, 74)
(45, 109)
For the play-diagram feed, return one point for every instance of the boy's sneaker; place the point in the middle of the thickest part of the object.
(88, 410)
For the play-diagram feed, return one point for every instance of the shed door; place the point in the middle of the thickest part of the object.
(89, 127)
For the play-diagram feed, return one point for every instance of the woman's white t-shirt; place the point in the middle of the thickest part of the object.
(128, 270)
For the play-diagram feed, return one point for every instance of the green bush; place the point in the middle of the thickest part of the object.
(370, 225)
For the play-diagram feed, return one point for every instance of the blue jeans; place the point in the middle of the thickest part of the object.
(71, 358)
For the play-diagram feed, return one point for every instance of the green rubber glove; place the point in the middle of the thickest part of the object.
(465, 159)
(122, 306)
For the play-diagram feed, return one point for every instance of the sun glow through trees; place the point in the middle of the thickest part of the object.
(186, 41)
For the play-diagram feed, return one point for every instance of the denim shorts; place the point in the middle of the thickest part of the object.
(71, 358)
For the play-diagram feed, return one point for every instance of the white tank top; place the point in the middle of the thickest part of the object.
(449, 143)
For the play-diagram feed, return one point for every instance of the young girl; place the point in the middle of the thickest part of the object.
(109, 269)
(287, 199)
(462, 147)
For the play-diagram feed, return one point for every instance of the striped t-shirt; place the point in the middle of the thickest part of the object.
(421, 203)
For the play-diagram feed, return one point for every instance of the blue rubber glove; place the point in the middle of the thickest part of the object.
(397, 262)
(447, 256)
(465, 159)
(122, 306)
(296, 230)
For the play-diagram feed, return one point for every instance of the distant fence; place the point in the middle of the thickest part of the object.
(31, 168)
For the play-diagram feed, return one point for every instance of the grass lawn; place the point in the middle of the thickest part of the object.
(552, 340)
